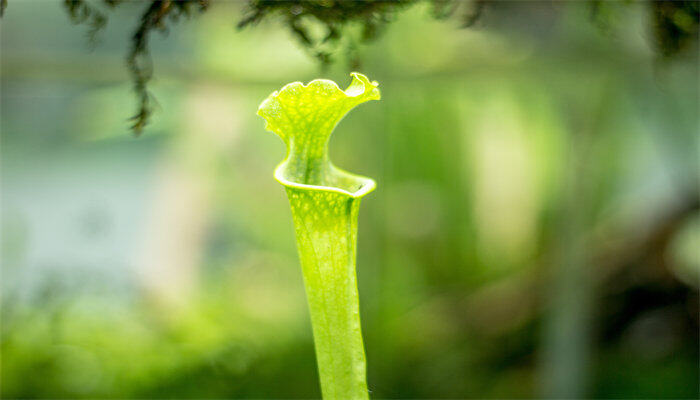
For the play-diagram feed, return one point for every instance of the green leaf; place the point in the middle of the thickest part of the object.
(325, 202)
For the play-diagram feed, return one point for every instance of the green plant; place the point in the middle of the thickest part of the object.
(325, 202)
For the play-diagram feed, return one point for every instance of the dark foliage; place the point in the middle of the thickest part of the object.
(334, 16)
(675, 26)
(157, 16)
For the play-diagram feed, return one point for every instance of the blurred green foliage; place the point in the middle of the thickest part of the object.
(547, 236)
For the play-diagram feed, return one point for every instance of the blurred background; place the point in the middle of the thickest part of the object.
(535, 231)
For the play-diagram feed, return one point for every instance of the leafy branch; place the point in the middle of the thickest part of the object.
(674, 26)
(157, 16)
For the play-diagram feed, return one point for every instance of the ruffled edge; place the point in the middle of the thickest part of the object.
(360, 86)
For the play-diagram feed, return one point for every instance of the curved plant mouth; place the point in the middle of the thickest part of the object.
(304, 117)
(336, 180)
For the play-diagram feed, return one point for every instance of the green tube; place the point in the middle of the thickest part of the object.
(325, 202)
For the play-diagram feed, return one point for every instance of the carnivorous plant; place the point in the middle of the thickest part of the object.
(325, 202)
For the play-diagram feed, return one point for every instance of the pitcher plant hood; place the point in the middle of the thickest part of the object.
(304, 117)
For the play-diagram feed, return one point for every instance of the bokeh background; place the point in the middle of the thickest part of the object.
(535, 231)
